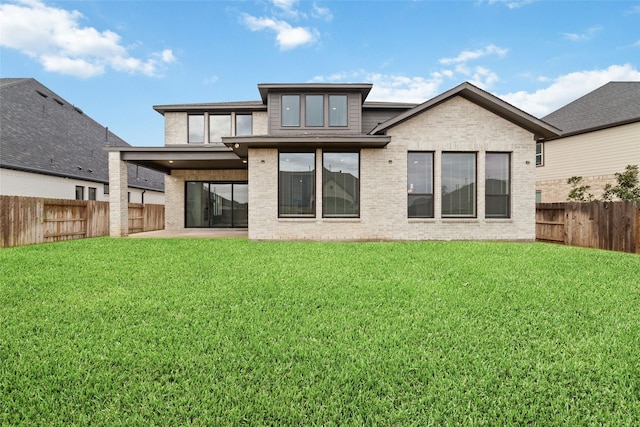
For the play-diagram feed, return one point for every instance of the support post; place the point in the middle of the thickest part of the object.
(118, 197)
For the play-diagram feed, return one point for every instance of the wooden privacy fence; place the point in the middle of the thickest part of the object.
(30, 220)
(603, 225)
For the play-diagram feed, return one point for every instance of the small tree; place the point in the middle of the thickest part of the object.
(627, 187)
(578, 193)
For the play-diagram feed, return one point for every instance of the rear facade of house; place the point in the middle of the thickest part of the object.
(319, 162)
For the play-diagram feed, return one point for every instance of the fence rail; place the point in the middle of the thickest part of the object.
(30, 220)
(603, 225)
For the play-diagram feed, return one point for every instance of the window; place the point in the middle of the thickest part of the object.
(420, 184)
(196, 129)
(290, 110)
(296, 185)
(539, 154)
(128, 196)
(314, 110)
(337, 110)
(92, 193)
(538, 196)
(244, 124)
(497, 185)
(216, 204)
(105, 190)
(79, 192)
(341, 184)
(219, 126)
(459, 185)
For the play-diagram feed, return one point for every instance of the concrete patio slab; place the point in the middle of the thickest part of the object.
(208, 233)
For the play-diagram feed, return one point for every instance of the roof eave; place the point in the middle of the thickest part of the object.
(484, 99)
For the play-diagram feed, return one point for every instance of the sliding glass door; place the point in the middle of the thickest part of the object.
(216, 204)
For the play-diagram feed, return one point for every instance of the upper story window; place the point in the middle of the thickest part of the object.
(337, 110)
(244, 124)
(290, 110)
(314, 110)
(196, 129)
(219, 126)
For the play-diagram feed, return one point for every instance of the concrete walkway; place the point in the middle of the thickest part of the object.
(208, 233)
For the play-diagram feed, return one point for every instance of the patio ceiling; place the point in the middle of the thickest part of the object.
(165, 159)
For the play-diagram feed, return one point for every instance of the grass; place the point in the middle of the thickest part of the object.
(230, 332)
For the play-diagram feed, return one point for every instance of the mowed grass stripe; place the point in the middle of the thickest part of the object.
(222, 332)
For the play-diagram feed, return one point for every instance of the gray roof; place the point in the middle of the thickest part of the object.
(610, 105)
(43, 133)
(539, 128)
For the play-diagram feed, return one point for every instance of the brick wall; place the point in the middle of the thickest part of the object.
(174, 185)
(456, 125)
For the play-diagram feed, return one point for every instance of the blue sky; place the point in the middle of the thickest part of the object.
(116, 59)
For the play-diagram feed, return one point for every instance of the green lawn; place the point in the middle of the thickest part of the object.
(226, 332)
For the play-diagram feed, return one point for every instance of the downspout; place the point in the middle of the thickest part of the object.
(143, 191)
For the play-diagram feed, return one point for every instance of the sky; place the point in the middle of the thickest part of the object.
(116, 59)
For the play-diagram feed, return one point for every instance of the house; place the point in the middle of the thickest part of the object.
(49, 148)
(320, 162)
(600, 136)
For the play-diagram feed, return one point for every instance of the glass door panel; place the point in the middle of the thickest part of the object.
(220, 199)
(240, 205)
(197, 204)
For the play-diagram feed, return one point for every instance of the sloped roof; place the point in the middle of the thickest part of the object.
(613, 104)
(492, 103)
(42, 132)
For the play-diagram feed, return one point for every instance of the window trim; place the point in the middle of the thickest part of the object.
(315, 199)
(509, 207)
(80, 189)
(411, 193)
(332, 216)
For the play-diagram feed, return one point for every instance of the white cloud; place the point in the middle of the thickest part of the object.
(287, 36)
(321, 12)
(587, 35)
(469, 55)
(511, 4)
(57, 39)
(286, 5)
(569, 87)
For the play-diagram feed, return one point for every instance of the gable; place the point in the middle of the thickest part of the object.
(461, 122)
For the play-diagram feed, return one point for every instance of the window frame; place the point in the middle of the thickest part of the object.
(474, 214)
(330, 122)
(295, 123)
(92, 193)
(217, 138)
(411, 194)
(358, 199)
(235, 122)
(508, 194)
(306, 110)
(190, 126)
(540, 155)
(79, 192)
(313, 200)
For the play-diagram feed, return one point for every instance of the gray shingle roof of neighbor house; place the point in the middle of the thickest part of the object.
(43, 133)
(492, 103)
(610, 105)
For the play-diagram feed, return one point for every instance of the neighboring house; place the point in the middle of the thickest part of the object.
(600, 136)
(319, 162)
(50, 148)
